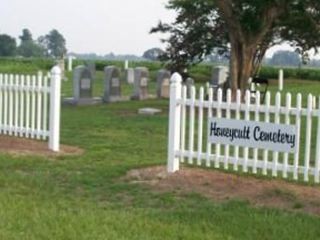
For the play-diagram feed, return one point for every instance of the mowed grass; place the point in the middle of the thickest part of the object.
(83, 197)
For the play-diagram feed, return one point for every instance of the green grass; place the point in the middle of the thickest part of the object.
(82, 197)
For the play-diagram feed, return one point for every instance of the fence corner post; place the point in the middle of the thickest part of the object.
(54, 118)
(174, 122)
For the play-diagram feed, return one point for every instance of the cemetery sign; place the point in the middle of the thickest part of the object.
(262, 135)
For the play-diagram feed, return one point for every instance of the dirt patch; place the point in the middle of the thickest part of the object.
(221, 186)
(21, 146)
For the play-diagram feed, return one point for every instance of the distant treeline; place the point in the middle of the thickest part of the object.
(201, 72)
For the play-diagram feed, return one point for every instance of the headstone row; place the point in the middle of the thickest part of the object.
(83, 78)
(139, 77)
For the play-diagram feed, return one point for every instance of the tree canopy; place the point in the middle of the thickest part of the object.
(246, 28)
(26, 36)
(28, 47)
(55, 43)
(153, 54)
(8, 45)
(52, 44)
(285, 58)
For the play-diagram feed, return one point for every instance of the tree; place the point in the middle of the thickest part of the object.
(246, 27)
(54, 43)
(26, 36)
(31, 49)
(153, 54)
(285, 58)
(8, 45)
(28, 47)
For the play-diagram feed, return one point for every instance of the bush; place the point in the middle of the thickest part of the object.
(294, 73)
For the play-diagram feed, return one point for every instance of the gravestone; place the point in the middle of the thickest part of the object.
(82, 84)
(61, 65)
(129, 75)
(219, 76)
(189, 83)
(141, 78)
(163, 84)
(112, 84)
(92, 67)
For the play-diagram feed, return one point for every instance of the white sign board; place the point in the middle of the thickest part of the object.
(274, 137)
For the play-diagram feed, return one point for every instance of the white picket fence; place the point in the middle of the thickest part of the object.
(30, 106)
(188, 131)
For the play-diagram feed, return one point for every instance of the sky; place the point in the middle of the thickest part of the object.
(98, 26)
(92, 26)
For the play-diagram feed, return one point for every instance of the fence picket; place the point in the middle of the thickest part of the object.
(317, 161)
(1, 103)
(39, 101)
(218, 114)
(27, 116)
(256, 118)
(247, 118)
(298, 126)
(33, 107)
(308, 138)
(266, 119)
(287, 121)
(45, 108)
(191, 127)
(236, 148)
(228, 116)
(210, 101)
(174, 117)
(16, 104)
(200, 123)
(5, 103)
(275, 157)
(10, 92)
(22, 100)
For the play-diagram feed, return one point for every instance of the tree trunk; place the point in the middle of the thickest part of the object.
(241, 65)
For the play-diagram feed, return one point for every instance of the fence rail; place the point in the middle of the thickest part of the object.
(188, 131)
(30, 106)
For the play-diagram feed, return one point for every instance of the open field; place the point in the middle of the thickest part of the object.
(87, 197)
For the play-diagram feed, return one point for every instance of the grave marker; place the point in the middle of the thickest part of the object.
(219, 76)
(189, 83)
(82, 84)
(112, 84)
(129, 75)
(163, 84)
(141, 78)
(92, 67)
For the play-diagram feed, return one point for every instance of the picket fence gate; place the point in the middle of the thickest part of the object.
(30, 106)
(187, 129)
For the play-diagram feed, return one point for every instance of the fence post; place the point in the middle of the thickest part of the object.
(280, 80)
(54, 124)
(70, 63)
(174, 122)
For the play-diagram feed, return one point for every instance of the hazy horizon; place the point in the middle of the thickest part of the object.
(100, 27)
(97, 26)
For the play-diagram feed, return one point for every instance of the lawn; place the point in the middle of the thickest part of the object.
(85, 197)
